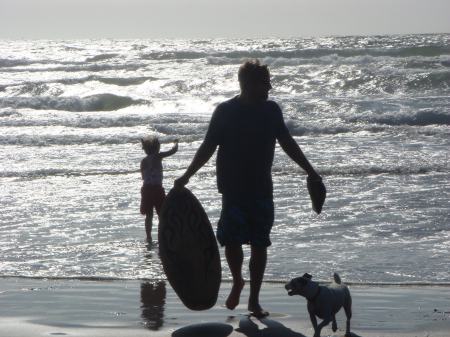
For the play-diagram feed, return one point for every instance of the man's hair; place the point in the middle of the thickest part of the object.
(252, 71)
(150, 144)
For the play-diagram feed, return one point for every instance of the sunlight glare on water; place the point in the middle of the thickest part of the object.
(371, 113)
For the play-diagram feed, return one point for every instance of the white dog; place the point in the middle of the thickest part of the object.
(323, 302)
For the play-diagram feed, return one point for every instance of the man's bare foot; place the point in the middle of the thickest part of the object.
(257, 311)
(235, 293)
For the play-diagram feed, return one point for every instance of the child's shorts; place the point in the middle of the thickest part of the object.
(246, 222)
(152, 196)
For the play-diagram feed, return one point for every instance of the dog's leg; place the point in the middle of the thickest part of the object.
(334, 324)
(314, 322)
(348, 314)
(325, 322)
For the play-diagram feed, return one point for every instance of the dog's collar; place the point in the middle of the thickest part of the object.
(316, 295)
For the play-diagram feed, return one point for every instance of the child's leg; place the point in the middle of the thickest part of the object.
(149, 224)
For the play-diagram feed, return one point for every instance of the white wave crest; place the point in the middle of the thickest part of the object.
(31, 174)
(102, 57)
(99, 102)
(394, 170)
(421, 117)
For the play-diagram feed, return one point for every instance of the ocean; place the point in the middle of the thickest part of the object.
(372, 113)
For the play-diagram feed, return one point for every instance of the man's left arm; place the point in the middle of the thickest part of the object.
(290, 146)
(292, 149)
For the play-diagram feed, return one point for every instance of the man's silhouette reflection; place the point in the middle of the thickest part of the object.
(153, 299)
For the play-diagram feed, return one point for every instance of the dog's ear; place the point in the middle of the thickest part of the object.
(306, 275)
(303, 281)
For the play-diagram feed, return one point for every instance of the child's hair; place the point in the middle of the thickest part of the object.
(150, 144)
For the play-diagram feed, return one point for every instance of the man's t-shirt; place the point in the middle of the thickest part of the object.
(246, 136)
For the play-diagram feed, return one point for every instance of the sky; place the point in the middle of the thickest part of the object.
(64, 19)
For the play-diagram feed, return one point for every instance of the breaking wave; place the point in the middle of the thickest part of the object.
(62, 173)
(66, 139)
(10, 63)
(422, 117)
(376, 170)
(340, 171)
(80, 122)
(430, 80)
(77, 67)
(39, 87)
(234, 56)
(5, 63)
(101, 57)
(194, 128)
(123, 81)
(120, 81)
(90, 137)
(99, 102)
(313, 53)
(8, 113)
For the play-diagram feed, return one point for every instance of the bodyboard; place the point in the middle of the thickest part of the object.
(317, 193)
(188, 250)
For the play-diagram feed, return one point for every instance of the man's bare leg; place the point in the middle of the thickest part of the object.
(258, 261)
(235, 257)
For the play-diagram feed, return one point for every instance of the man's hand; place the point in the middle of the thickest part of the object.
(181, 182)
(317, 191)
(204, 152)
(313, 177)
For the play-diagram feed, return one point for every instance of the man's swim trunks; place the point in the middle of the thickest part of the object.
(152, 196)
(246, 221)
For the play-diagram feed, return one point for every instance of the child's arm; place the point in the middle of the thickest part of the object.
(171, 151)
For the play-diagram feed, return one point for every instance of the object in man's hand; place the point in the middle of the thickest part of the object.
(188, 250)
(317, 192)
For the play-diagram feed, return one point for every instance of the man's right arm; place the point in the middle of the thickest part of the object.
(204, 152)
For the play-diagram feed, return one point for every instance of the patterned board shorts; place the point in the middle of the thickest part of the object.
(152, 196)
(246, 222)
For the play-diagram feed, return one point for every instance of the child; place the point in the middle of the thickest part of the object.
(152, 191)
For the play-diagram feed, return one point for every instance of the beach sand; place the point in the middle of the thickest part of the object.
(42, 307)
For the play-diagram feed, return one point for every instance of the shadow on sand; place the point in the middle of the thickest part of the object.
(204, 330)
(247, 327)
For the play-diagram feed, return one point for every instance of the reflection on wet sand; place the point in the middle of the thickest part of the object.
(153, 299)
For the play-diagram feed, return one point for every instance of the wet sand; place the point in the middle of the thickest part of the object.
(41, 307)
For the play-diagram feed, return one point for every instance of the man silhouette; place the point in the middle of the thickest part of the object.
(246, 128)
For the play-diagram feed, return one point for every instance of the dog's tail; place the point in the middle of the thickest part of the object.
(337, 279)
